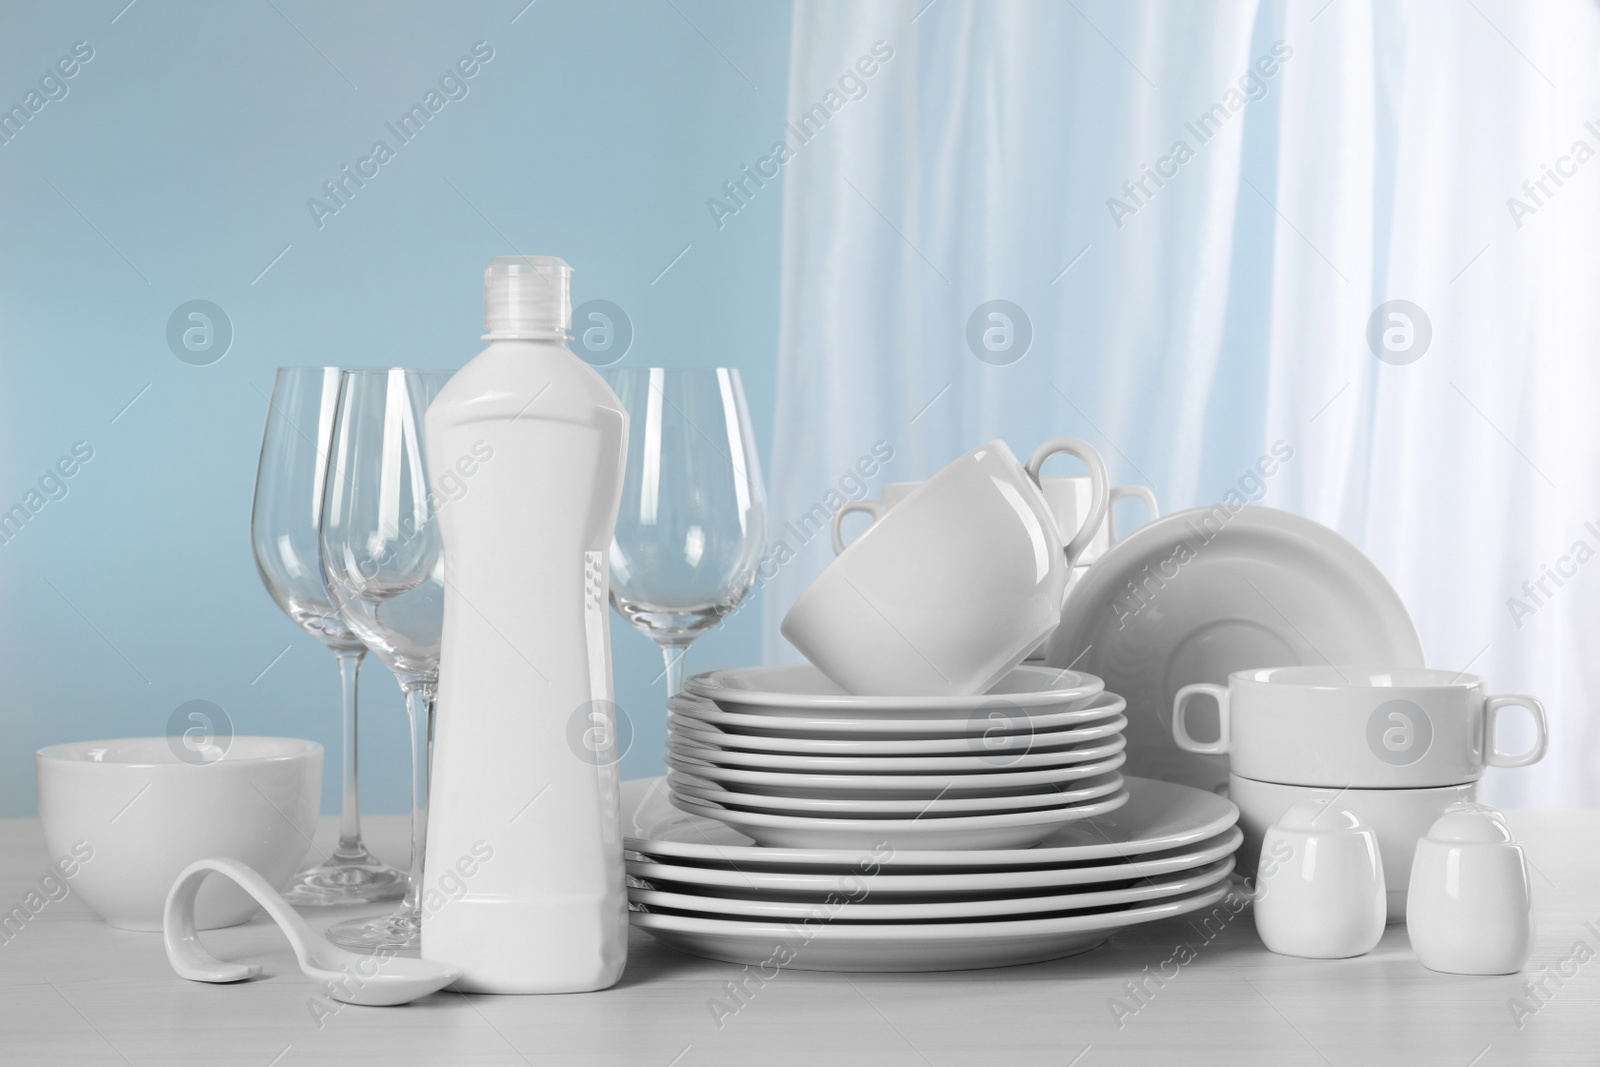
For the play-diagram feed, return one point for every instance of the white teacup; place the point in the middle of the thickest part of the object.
(1071, 498)
(129, 815)
(1406, 727)
(951, 588)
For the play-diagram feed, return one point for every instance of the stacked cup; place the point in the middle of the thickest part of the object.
(1395, 747)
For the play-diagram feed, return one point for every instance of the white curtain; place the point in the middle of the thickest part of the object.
(1183, 327)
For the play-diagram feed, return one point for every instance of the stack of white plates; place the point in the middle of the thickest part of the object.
(784, 756)
(700, 886)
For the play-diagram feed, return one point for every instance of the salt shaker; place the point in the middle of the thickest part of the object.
(1469, 909)
(1319, 888)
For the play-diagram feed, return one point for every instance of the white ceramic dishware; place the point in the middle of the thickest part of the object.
(801, 690)
(978, 534)
(1005, 732)
(354, 978)
(1071, 500)
(1197, 595)
(956, 884)
(145, 808)
(1006, 830)
(1406, 727)
(893, 786)
(1319, 889)
(1157, 817)
(1399, 817)
(888, 947)
(976, 760)
(1080, 792)
(1470, 908)
(869, 909)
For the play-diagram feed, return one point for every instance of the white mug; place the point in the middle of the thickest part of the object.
(952, 587)
(1408, 727)
(1071, 499)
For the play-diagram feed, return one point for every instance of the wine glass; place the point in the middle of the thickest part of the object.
(284, 532)
(384, 562)
(692, 525)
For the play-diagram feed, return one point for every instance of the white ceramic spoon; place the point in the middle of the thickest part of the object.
(346, 976)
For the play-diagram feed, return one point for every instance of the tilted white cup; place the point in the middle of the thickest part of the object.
(1406, 727)
(1072, 498)
(953, 586)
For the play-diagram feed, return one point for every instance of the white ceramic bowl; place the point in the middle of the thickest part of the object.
(143, 814)
(1400, 817)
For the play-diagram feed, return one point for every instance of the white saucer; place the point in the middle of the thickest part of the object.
(975, 760)
(907, 946)
(888, 808)
(1009, 830)
(866, 909)
(1197, 595)
(886, 884)
(864, 725)
(801, 689)
(697, 730)
(893, 786)
(1159, 816)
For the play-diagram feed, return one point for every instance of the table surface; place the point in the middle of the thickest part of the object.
(75, 991)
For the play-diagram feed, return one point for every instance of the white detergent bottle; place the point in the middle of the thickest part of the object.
(523, 885)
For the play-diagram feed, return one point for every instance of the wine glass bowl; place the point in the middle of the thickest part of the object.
(692, 524)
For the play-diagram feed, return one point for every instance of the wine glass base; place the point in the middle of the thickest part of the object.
(399, 934)
(354, 877)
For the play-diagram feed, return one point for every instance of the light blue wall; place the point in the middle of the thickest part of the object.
(178, 166)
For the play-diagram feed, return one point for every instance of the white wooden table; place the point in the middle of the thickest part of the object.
(74, 991)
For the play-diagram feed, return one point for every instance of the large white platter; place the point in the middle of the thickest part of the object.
(1001, 741)
(1158, 816)
(1007, 830)
(902, 786)
(886, 884)
(801, 689)
(1199, 594)
(867, 909)
(881, 807)
(862, 726)
(974, 760)
(908, 946)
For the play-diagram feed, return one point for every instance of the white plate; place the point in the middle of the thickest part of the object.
(958, 885)
(907, 946)
(839, 909)
(972, 761)
(848, 725)
(1016, 829)
(1197, 595)
(801, 689)
(888, 808)
(1002, 740)
(1157, 817)
(892, 786)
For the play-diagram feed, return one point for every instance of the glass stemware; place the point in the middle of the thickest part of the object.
(692, 525)
(384, 562)
(285, 521)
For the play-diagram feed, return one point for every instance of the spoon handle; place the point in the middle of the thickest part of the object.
(185, 952)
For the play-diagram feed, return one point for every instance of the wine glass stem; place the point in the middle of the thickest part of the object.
(674, 655)
(350, 805)
(420, 697)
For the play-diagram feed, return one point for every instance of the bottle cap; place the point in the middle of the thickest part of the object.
(527, 298)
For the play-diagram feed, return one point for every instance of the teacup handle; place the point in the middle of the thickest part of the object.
(1180, 729)
(870, 507)
(1124, 492)
(1491, 713)
(1097, 483)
